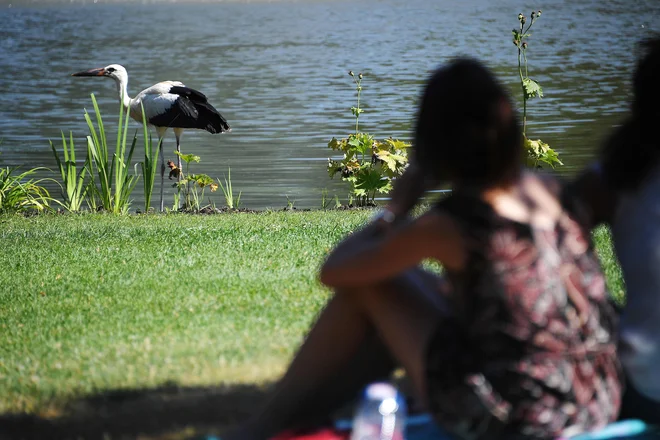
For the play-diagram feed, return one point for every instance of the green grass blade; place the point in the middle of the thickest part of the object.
(72, 154)
(57, 157)
(92, 129)
(99, 121)
(149, 164)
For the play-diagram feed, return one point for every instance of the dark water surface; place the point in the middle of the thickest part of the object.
(277, 72)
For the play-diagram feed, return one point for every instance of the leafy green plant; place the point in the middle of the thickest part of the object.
(192, 186)
(538, 152)
(73, 188)
(369, 165)
(113, 184)
(228, 191)
(18, 194)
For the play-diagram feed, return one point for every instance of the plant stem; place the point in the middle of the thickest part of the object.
(522, 82)
(357, 113)
(522, 86)
(521, 53)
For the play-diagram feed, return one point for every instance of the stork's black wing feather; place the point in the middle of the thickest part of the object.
(191, 110)
(192, 94)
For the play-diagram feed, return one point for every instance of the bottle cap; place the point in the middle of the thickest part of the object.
(380, 391)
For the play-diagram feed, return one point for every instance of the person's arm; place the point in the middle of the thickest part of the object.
(407, 191)
(369, 256)
(597, 201)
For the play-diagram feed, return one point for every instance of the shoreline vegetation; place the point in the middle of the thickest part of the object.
(102, 315)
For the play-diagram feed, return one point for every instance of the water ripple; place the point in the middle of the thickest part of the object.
(277, 71)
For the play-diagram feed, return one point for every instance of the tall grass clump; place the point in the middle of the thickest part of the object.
(112, 183)
(73, 188)
(18, 194)
(228, 191)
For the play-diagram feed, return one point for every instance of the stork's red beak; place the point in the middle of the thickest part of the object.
(93, 72)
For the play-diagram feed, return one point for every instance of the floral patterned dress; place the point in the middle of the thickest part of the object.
(530, 351)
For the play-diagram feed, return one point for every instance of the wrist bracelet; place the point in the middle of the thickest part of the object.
(385, 215)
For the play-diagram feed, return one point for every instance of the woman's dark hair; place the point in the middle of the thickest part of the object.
(467, 131)
(633, 150)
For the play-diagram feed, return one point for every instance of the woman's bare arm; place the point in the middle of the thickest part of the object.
(369, 256)
(407, 191)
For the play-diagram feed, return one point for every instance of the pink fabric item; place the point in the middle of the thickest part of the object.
(321, 434)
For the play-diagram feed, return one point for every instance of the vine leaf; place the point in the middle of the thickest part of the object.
(391, 160)
(187, 158)
(396, 144)
(362, 142)
(538, 151)
(356, 111)
(532, 88)
(334, 144)
(370, 181)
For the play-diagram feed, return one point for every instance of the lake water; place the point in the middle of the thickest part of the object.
(278, 72)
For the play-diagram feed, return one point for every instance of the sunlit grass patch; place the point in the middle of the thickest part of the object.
(96, 302)
(90, 302)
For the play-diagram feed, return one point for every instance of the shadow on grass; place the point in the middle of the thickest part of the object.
(167, 412)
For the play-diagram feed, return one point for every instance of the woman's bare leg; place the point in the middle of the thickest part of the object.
(333, 342)
(405, 312)
(340, 354)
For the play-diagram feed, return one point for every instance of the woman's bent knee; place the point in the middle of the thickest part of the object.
(415, 285)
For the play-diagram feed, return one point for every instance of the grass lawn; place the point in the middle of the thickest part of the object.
(98, 305)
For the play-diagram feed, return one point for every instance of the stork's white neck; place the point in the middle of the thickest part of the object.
(122, 89)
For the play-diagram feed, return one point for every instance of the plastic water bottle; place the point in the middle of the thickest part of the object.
(381, 415)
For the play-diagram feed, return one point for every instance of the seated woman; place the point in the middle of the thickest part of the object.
(518, 341)
(623, 190)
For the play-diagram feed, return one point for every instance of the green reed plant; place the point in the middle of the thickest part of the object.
(150, 163)
(19, 193)
(368, 164)
(112, 182)
(325, 202)
(538, 152)
(228, 191)
(91, 196)
(73, 187)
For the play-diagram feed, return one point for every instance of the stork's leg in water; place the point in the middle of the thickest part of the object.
(178, 132)
(161, 133)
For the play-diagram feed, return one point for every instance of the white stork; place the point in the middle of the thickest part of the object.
(166, 104)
